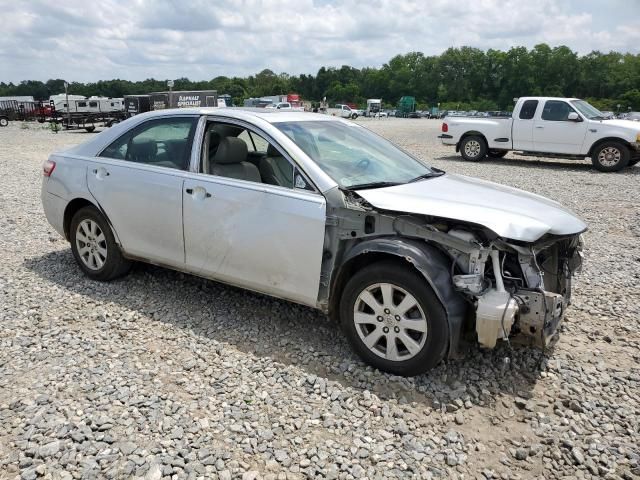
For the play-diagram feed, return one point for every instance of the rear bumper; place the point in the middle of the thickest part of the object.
(447, 139)
(54, 207)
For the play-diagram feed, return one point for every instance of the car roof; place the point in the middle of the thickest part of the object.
(270, 115)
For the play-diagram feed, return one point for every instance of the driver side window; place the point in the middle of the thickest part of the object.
(556, 111)
(236, 152)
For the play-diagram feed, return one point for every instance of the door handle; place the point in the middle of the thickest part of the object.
(192, 191)
(100, 172)
(539, 126)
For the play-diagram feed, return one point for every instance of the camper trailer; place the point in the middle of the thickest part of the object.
(82, 104)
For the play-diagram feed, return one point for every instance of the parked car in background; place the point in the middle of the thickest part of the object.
(633, 116)
(548, 127)
(320, 211)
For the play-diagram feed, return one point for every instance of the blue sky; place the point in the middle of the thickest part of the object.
(201, 39)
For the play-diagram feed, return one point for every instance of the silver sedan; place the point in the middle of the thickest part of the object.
(412, 262)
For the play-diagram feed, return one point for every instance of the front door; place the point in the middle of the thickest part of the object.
(553, 132)
(256, 236)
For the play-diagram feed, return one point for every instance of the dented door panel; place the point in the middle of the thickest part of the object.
(264, 238)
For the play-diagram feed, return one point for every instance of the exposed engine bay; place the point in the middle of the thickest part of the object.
(509, 290)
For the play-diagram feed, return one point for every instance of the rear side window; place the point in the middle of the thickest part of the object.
(163, 143)
(528, 109)
(556, 111)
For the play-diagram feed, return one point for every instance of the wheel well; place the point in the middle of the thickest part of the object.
(469, 134)
(607, 139)
(354, 265)
(70, 211)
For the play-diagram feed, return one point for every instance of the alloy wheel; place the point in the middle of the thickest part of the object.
(390, 322)
(91, 244)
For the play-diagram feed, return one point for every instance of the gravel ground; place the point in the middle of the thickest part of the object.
(164, 375)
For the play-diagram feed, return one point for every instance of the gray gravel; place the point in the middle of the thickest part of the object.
(162, 375)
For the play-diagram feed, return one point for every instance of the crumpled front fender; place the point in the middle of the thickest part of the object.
(434, 266)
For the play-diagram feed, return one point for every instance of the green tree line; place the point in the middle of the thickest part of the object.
(459, 78)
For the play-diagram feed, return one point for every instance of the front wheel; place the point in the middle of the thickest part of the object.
(610, 157)
(94, 246)
(473, 148)
(393, 319)
(497, 153)
(4, 121)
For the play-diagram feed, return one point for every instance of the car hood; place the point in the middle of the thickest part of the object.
(509, 212)
(626, 124)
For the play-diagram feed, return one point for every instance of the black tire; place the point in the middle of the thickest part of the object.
(497, 153)
(433, 347)
(610, 156)
(473, 148)
(354, 116)
(4, 121)
(90, 129)
(633, 161)
(115, 265)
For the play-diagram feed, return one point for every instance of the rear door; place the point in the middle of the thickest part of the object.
(553, 132)
(522, 129)
(137, 181)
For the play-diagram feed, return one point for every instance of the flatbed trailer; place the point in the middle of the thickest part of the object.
(86, 120)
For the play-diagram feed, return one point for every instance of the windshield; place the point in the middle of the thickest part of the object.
(588, 110)
(352, 155)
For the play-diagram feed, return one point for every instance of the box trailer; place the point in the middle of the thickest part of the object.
(184, 99)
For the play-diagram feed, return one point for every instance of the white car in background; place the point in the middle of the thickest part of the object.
(320, 211)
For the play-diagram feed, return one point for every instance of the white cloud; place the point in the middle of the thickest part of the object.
(200, 39)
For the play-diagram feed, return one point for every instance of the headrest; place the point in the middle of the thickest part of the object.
(273, 151)
(231, 150)
(142, 148)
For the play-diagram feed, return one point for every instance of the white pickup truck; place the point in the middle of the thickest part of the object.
(548, 127)
(344, 111)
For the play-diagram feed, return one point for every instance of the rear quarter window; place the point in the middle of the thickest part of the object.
(528, 109)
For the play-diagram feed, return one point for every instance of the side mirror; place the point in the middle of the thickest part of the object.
(278, 107)
(574, 117)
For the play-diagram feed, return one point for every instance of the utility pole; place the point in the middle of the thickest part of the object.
(66, 99)
(170, 85)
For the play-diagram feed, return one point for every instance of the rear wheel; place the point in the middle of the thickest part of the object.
(4, 121)
(473, 148)
(393, 319)
(94, 246)
(497, 153)
(610, 157)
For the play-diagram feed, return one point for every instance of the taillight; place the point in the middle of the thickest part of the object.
(445, 127)
(48, 167)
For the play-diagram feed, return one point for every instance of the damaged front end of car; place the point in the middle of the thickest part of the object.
(492, 288)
